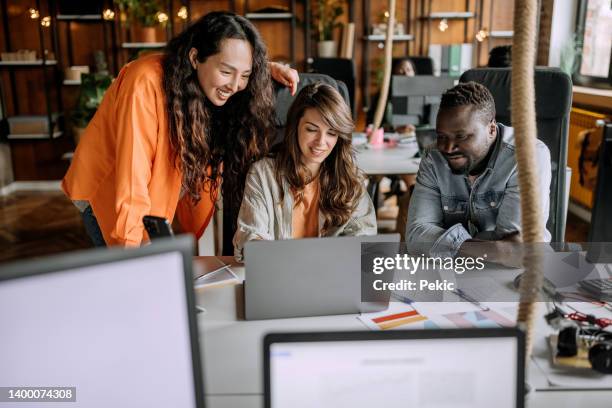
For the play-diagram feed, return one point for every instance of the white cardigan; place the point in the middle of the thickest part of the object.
(263, 216)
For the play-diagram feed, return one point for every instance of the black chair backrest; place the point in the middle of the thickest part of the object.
(553, 91)
(284, 99)
(341, 69)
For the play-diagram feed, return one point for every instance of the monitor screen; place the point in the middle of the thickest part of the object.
(117, 332)
(415, 100)
(431, 372)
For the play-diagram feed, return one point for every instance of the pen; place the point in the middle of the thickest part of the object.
(470, 299)
(211, 273)
(401, 298)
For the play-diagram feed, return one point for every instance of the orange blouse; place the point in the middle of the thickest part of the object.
(305, 216)
(122, 165)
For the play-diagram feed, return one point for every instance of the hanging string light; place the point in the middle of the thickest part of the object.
(182, 13)
(482, 35)
(108, 14)
(34, 14)
(46, 21)
(162, 17)
(443, 26)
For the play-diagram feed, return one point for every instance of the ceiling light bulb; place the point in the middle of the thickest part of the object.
(34, 14)
(108, 14)
(182, 13)
(482, 35)
(46, 21)
(162, 17)
(443, 25)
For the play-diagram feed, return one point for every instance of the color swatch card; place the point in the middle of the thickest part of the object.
(434, 315)
(397, 316)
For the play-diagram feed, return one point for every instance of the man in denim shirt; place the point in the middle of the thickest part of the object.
(467, 187)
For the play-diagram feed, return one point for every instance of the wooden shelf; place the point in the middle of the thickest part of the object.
(30, 136)
(269, 16)
(449, 15)
(378, 37)
(594, 98)
(79, 17)
(501, 34)
(36, 63)
(135, 45)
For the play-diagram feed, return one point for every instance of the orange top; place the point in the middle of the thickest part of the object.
(305, 216)
(122, 165)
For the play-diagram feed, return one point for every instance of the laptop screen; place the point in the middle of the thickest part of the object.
(118, 332)
(425, 372)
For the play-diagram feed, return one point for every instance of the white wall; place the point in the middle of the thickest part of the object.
(563, 26)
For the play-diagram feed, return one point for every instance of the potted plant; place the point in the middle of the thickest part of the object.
(143, 18)
(325, 20)
(93, 87)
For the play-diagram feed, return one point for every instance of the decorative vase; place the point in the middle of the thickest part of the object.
(144, 34)
(327, 49)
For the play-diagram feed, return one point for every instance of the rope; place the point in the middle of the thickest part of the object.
(524, 123)
(384, 91)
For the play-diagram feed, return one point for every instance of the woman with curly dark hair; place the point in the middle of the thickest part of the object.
(171, 127)
(310, 186)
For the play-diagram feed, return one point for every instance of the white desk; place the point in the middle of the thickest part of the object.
(233, 361)
(387, 161)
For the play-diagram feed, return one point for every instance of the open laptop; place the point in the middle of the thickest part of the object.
(308, 277)
(476, 368)
(117, 327)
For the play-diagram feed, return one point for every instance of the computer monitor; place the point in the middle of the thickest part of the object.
(479, 368)
(600, 232)
(117, 325)
(416, 100)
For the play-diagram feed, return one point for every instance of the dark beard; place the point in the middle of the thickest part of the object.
(465, 170)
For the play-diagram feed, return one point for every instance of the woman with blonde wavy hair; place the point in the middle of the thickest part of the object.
(309, 186)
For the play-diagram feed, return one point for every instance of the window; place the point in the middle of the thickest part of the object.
(594, 26)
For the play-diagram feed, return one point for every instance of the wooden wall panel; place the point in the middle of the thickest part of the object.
(24, 30)
(85, 39)
(502, 16)
(40, 159)
(201, 7)
(29, 84)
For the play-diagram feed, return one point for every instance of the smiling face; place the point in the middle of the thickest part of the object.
(316, 139)
(464, 137)
(223, 74)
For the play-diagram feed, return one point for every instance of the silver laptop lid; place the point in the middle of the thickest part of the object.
(307, 277)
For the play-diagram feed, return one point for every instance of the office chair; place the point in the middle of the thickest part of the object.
(283, 101)
(422, 65)
(341, 69)
(553, 91)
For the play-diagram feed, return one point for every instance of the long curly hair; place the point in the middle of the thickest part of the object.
(209, 140)
(341, 185)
